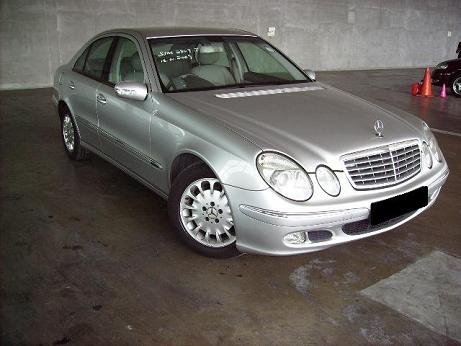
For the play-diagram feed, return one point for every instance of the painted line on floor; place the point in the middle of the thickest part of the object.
(427, 291)
(450, 133)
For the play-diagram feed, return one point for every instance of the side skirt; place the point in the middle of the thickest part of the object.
(125, 170)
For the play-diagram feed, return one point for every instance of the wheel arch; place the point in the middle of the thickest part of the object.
(186, 159)
(234, 166)
(62, 107)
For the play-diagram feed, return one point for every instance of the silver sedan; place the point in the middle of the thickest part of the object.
(251, 152)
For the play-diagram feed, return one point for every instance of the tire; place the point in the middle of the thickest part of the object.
(456, 85)
(200, 214)
(71, 139)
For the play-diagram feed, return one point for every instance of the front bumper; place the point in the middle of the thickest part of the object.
(261, 226)
(441, 76)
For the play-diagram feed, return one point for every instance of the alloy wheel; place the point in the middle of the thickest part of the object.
(206, 215)
(68, 133)
(457, 86)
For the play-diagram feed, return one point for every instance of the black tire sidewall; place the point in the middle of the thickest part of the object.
(182, 181)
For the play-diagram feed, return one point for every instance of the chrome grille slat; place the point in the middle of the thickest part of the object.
(373, 172)
(368, 161)
(383, 166)
(407, 163)
(404, 151)
(406, 157)
(415, 166)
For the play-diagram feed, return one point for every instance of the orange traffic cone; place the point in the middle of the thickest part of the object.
(426, 89)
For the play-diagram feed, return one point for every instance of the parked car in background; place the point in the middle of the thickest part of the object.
(448, 73)
(251, 153)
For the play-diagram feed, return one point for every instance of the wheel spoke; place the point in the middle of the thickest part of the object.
(196, 229)
(199, 189)
(191, 218)
(191, 196)
(212, 188)
(218, 237)
(227, 232)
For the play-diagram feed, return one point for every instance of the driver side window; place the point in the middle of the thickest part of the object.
(126, 63)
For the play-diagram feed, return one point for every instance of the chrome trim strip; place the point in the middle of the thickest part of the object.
(309, 220)
(131, 150)
(86, 122)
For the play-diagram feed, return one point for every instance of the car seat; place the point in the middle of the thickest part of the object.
(207, 57)
(131, 69)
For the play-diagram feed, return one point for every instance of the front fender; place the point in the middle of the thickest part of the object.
(228, 154)
(229, 167)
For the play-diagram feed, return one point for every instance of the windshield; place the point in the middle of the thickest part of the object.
(205, 63)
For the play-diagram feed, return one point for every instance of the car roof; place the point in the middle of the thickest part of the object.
(158, 32)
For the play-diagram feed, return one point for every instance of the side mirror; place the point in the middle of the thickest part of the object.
(311, 74)
(131, 90)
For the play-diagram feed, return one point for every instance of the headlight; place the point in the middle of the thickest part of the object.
(328, 180)
(284, 176)
(432, 142)
(442, 66)
(427, 157)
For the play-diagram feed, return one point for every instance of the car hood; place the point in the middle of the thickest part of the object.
(450, 61)
(313, 123)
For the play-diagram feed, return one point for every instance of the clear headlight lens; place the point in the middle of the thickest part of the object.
(284, 176)
(432, 143)
(427, 157)
(442, 66)
(328, 180)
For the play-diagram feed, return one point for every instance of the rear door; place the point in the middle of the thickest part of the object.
(125, 124)
(83, 84)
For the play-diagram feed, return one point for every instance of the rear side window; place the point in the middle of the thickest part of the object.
(81, 61)
(94, 66)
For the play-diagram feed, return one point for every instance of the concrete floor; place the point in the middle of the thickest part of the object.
(88, 257)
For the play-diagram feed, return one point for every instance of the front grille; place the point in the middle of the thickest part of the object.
(383, 166)
(364, 226)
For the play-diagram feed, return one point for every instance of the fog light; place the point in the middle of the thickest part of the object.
(295, 238)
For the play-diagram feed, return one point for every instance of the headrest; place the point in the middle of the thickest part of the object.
(209, 54)
(136, 62)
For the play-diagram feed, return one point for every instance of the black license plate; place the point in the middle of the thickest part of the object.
(391, 208)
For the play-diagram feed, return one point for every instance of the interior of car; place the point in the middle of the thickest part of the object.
(200, 64)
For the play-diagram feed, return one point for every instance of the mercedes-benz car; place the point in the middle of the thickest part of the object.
(448, 73)
(252, 154)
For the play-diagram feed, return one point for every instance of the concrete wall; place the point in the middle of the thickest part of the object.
(37, 36)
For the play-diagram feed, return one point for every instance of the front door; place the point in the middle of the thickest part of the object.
(124, 125)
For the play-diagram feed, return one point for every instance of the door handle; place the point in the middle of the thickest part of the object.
(101, 99)
(71, 85)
